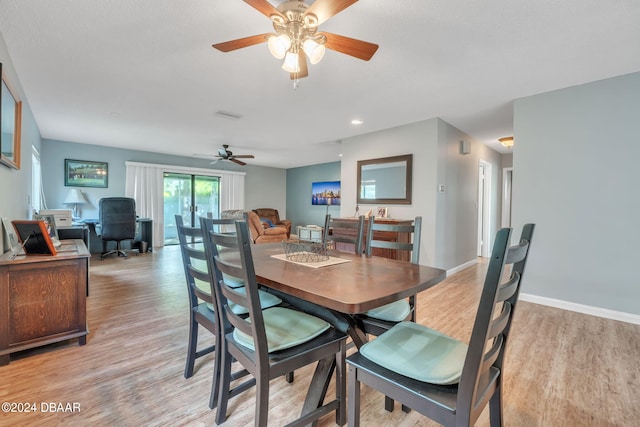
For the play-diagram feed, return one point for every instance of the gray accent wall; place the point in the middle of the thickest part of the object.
(263, 185)
(299, 208)
(576, 176)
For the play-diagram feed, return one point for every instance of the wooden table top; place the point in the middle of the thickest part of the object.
(352, 287)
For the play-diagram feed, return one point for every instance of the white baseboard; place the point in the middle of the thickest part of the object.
(461, 267)
(580, 308)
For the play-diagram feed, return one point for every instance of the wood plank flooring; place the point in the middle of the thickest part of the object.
(563, 368)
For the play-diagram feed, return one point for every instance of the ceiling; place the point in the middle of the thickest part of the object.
(143, 75)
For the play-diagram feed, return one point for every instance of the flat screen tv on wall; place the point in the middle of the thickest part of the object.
(325, 193)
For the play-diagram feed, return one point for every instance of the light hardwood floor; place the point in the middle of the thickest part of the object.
(563, 368)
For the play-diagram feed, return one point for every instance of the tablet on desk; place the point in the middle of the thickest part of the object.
(34, 237)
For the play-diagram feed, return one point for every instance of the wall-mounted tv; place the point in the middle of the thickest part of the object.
(325, 193)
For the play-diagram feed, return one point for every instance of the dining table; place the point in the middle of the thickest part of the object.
(346, 284)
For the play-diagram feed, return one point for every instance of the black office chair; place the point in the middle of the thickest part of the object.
(436, 375)
(118, 223)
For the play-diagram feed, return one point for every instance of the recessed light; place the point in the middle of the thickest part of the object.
(356, 122)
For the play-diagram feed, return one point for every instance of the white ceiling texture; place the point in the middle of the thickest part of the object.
(142, 74)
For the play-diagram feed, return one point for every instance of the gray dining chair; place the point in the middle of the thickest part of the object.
(202, 311)
(352, 231)
(436, 375)
(381, 319)
(201, 300)
(266, 343)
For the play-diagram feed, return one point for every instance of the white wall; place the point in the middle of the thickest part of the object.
(15, 185)
(457, 224)
(576, 176)
(419, 139)
(449, 232)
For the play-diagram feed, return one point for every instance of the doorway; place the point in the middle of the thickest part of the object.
(484, 209)
(507, 180)
(192, 197)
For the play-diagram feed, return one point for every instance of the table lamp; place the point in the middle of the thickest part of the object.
(75, 197)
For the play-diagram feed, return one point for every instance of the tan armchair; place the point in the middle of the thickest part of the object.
(273, 216)
(259, 234)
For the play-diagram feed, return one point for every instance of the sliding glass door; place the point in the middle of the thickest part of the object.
(190, 196)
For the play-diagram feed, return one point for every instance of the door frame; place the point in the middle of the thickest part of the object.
(484, 208)
(507, 190)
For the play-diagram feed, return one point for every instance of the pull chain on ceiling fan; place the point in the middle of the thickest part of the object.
(296, 26)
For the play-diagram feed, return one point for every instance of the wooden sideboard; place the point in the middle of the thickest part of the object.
(43, 298)
(377, 235)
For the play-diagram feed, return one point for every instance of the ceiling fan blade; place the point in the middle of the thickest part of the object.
(244, 156)
(353, 47)
(240, 43)
(264, 7)
(304, 71)
(213, 162)
(239, 162)
(325, 9)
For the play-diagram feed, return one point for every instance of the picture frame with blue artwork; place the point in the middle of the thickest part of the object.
(325, 193)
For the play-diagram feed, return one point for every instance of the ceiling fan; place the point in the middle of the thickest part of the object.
(296, 34)
(225, 154)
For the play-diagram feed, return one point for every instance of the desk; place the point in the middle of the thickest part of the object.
(144, 233)
(43, 298)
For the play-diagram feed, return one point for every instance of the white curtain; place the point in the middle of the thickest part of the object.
(144, 182)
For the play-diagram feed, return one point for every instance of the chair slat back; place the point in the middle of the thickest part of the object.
(413, 246)
(493, 319)
(340, 223)
(230, 256)
(195, 263)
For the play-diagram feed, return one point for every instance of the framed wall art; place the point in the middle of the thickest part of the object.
(325, 193)
(10, 124)
(85, 173)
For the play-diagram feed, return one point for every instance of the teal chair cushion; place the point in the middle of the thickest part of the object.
(232, 282)
(418, 352)
(397, 311)
(285, 328)
(266, 300)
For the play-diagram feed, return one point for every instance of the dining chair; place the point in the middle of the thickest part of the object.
(202, 300)
(271, 342)
(352, 231)
(381, 319)
(436, 375)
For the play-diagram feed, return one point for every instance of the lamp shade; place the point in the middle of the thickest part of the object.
(314, 51)
(278, 45)
(75, 196)
(291, 63)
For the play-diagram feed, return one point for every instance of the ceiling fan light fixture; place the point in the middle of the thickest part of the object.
(291, 64)
(314, 50)
(278, 45)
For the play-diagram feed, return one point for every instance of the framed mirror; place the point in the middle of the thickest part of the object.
(10, 124)
(386, 180)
